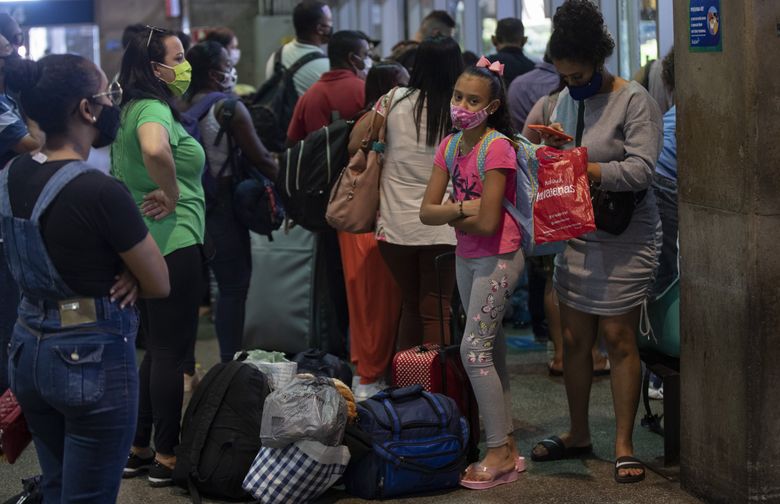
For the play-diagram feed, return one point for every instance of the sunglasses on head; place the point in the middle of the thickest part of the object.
(152, 29)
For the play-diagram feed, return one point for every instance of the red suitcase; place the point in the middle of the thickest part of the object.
(438, 368)
(14, 434)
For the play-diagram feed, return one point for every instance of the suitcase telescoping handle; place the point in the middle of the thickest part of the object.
(447, 256)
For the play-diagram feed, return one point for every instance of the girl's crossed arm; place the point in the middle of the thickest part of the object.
(478, 216)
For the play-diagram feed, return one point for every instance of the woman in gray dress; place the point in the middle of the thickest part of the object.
(603, 278)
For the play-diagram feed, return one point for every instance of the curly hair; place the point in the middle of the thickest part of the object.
(579, 34)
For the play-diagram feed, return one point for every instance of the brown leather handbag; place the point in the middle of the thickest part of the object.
(354, 199)
(14, 434)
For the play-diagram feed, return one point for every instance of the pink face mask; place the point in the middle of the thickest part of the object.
(463, 119)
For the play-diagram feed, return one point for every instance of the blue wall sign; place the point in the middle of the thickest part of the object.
(705, 26)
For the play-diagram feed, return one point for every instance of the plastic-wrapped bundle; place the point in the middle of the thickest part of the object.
(307, 407)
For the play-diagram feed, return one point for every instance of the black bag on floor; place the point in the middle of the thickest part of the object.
(220, 434)
(321, 363)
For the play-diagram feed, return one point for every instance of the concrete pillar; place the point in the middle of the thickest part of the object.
(728, 126)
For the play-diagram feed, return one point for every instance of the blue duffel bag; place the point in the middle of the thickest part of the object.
(418, 444)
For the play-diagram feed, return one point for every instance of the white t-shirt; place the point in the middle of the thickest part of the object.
(216, 154)
(405, 175)
(309, 73)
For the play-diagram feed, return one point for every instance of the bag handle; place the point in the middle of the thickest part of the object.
(580, 123)
(388, 107)
(388, 99)
(407, 392)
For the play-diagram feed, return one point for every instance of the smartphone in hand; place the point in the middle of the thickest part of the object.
(541, 128)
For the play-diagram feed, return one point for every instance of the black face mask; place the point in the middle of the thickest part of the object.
(107, 125)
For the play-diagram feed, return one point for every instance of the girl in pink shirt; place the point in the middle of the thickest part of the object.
(489, 258)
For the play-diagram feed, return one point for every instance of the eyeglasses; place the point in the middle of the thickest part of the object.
(152, 29)
(114, 93)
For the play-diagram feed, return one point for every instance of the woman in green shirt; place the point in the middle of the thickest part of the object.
(161, 165)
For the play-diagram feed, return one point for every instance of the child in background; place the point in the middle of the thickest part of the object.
(489, 258)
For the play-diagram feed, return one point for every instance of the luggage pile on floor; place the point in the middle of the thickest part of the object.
(247, 435)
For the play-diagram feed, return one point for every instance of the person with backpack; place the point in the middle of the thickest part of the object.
(603, 278)
(162, 164)
(339, 90)
(313, 24)
(81, 254)
(419, 119)
(490, 260)
(291, 71)
(226, 123)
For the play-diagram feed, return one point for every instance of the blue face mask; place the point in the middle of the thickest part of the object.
(592, 88)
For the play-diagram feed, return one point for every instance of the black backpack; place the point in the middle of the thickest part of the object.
(273, 104)
(220, 435)
(320, 363)
(308, 170)
(256, 203)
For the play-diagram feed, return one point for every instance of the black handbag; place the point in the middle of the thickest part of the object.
(612, 210)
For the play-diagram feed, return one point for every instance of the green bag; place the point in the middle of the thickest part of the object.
(664, 318)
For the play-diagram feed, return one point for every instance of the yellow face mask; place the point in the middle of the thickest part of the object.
(182, 77)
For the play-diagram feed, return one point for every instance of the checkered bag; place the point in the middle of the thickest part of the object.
(297, 474)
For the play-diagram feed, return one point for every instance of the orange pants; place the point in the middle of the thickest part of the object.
(374, 301)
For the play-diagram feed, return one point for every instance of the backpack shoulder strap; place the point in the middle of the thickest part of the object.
(451, 149)
(303, 60)
(199, 109)
(483, 150)
(227, 112)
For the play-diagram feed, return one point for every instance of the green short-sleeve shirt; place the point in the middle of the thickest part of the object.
(186, 225)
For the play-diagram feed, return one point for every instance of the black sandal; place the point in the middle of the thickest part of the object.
(628, 463)
(556, 450)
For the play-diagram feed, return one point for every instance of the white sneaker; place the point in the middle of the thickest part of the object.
(365, 391)
(655, 393)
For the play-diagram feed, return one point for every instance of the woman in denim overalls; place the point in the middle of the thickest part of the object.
(72, 353)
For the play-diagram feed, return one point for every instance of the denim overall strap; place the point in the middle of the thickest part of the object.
(5, 198)
(55, 184)
(25, 249)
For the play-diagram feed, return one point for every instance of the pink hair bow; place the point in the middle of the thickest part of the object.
(496, 67)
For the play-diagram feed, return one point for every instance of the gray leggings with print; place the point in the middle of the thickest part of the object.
(485, 284)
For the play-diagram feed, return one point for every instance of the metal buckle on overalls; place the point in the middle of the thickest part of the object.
(78, 311)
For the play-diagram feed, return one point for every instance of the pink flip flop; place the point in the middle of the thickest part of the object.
(496, 478)
(520, 464)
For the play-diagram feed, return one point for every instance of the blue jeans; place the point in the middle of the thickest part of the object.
(78, 389)
(9, 302)
(232, 266)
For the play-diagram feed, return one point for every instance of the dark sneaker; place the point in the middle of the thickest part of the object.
(160, 475)
(136, 465)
